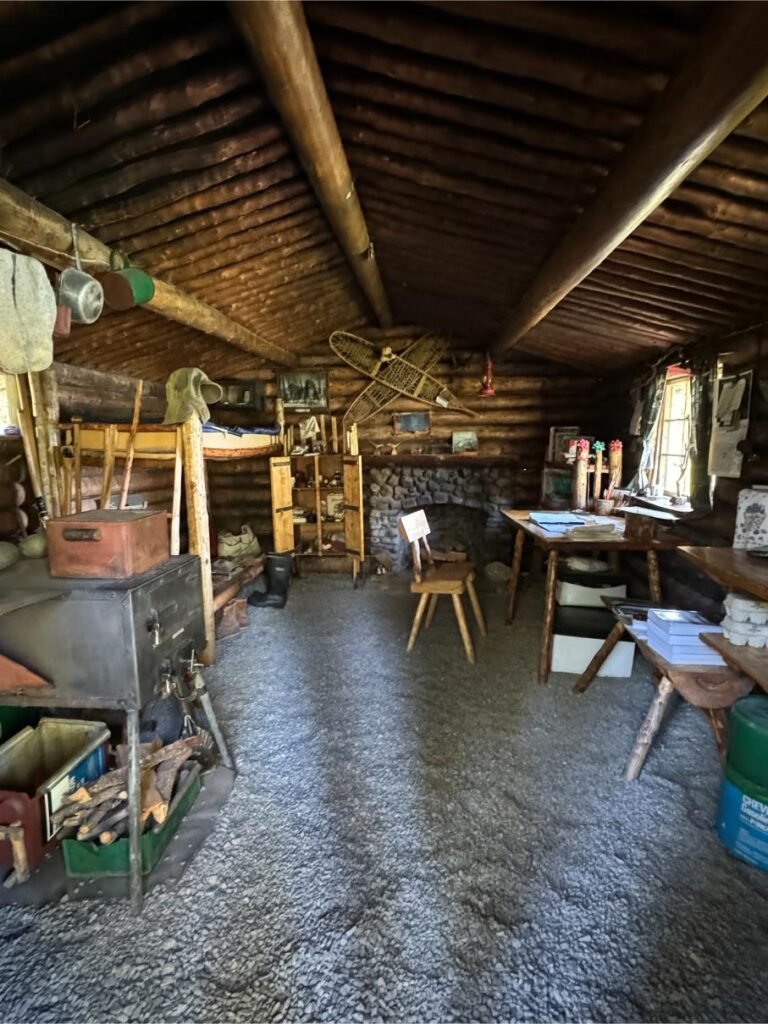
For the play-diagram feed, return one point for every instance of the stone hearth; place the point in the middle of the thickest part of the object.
(463, 505)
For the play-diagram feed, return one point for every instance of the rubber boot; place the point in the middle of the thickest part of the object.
(278, 573)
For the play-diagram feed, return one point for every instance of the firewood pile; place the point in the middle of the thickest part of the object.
(99, 811)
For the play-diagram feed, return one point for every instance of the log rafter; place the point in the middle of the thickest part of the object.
(706, 99)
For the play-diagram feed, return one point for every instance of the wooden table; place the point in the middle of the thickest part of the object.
(732, 568)
(556, 544)
(710, 687)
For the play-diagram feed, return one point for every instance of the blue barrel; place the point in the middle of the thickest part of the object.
(742, 816)
(742, 823)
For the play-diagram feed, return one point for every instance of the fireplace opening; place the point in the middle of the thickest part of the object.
(457, 528)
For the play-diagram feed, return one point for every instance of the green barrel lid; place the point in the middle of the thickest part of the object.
(747, 757)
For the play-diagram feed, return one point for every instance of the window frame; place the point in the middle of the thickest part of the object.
(676, 379)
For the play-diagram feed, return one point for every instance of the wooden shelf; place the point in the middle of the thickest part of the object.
(427, 461)
(732, 568)
(752, 661)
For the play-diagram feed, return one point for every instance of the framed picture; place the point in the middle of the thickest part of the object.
(304, 389)
(463, 441)
(411, 423)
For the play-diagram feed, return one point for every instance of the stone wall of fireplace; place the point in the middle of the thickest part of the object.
(463, 505)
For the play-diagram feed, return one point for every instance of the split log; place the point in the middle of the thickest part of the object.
(564, 109)
(154, 198)
(58, 103)
(146, 108)
(105, 29)
(494, 51)
(136, 232)
(127, 149)
(129, 176)
(561, 147)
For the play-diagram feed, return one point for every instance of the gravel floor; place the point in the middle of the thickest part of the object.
(412, 838)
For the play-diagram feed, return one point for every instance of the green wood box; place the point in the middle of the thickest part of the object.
(85, 859)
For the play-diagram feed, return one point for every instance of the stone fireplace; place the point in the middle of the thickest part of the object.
(463, 505)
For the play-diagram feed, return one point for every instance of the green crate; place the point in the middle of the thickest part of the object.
(12, 720)
(85, 859)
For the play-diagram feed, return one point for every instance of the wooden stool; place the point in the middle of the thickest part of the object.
(452, 579)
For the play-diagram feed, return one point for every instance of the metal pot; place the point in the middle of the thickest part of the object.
(82, 293)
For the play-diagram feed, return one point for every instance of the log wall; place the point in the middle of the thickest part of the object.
(531, 396)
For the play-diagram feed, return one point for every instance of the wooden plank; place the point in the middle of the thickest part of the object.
(178, 464)
(282, 504)
(354, 533)
(198, 523)
(733, 568)
(706, 99)
(131, 444)
(753, 662)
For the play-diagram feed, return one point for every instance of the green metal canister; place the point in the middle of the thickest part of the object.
(746, 762)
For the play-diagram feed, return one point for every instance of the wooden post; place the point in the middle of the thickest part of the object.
(581, 474)
(649, 728)
(27, 426)
(589, 673)
(176, 500)
(654, 576)
(334, 435)
(199, 527)
(110, 442)
(597, 483)
(131, 444)
(78, 466)
(708, 96)
(615, 463)
(44, 457)
(278, 37)
(545, 654)
(514, 575)
(280, 419)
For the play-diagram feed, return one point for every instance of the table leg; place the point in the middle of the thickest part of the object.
(649, 728)
(514, 575)
(654, 578)
(134, 811)
(545, 655)
(599, 659)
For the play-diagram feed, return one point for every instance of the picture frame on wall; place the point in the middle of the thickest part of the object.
(411, 423)
(304, 390)
(463, 441)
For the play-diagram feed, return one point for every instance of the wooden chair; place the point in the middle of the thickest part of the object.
(451, 579)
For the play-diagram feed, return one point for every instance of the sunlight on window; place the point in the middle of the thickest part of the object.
(672, 471)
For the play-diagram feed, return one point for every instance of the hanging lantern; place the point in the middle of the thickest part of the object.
(487, 390)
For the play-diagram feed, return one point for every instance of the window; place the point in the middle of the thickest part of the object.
(672, 440)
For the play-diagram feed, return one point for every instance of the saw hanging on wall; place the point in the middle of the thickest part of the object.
(394, 375)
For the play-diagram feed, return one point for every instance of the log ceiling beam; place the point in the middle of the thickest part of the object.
(723, 79)
(278, 38)
(30, 226)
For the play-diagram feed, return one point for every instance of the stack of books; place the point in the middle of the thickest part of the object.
(675, 636)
